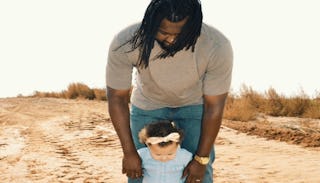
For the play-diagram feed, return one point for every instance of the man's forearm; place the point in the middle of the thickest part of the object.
(119, 114)
(209, 132)
(120, 117)
(211, 122)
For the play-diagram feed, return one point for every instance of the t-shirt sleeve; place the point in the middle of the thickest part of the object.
(217, 79)
(143, 152)
(119, 68)
(140, 151)
(185, 156)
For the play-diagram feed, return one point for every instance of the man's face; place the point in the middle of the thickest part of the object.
(168, 32)
(165, 153)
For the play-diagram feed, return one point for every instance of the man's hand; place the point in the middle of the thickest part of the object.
(118, 101)
(131, 165)
(194, 172)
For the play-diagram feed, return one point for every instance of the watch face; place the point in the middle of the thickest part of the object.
(202, 160)
(205, 160)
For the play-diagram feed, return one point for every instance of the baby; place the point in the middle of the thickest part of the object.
(163, 160)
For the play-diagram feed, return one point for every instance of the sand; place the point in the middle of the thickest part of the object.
(57, 140)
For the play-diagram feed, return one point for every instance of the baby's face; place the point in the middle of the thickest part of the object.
(163, 154)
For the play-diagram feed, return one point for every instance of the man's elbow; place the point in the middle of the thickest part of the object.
(115, 95)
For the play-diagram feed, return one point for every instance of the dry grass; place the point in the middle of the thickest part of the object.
(244, 106)
(75, 91)
(249, 103)
(313, 111)
(79, 90)
(239, 109)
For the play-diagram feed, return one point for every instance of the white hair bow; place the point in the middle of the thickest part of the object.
(175, 137)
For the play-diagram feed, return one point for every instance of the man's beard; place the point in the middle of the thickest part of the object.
(166, 46)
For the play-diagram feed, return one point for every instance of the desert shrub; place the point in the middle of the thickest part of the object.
(299, 104)
(243, 106)
(64, 94)
(279, 105)
(239, 109)
(47, 94)
(317, 95)
(313, 110)
(38, 94)
(296, 106)
(274, 105)
(79, 90)
(100, 94)
(75, 91)
(253, 98)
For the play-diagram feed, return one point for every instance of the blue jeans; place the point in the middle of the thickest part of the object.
(187, 118)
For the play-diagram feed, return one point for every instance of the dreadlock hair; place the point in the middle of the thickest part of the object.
(174, 11)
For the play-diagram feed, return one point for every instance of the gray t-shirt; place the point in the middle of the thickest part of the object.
(174, 81)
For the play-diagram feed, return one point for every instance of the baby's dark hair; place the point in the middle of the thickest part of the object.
(159, 129)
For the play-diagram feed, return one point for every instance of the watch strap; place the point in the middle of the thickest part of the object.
(202, 160)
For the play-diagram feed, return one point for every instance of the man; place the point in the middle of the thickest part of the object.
(183, 74)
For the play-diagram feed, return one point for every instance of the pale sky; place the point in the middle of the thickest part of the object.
(47, 44)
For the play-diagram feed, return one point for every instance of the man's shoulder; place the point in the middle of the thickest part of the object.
(211, 34)
(210, 42)
(126, 33)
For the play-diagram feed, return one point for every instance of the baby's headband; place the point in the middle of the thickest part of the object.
(175, 137)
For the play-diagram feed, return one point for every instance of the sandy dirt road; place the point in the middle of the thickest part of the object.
(55, 140)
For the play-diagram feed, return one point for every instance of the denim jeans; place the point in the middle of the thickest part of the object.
(187, 118)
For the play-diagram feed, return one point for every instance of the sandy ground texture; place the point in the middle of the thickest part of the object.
(55, 140)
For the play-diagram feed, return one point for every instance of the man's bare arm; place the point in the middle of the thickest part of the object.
(212, 118)
(211, 122)
(118, 105)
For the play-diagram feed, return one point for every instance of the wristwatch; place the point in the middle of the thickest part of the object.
(202, 160)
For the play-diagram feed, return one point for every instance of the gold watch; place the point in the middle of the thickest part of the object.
(202, 160)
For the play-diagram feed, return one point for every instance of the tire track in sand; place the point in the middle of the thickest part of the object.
(69, 148)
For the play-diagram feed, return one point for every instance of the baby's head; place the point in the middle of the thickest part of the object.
(162, 138)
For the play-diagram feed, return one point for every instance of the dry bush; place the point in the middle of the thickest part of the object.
(75, 91)
(239, 109)
(63, 94)
(47, 94)
(299, 104)
(296, 106)
(317, 95)
(79, 90)
(279, 105)
(313, 111)
(275, 103)
(255, 99)
(39, 94)
(100, 94)
(242, 107)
